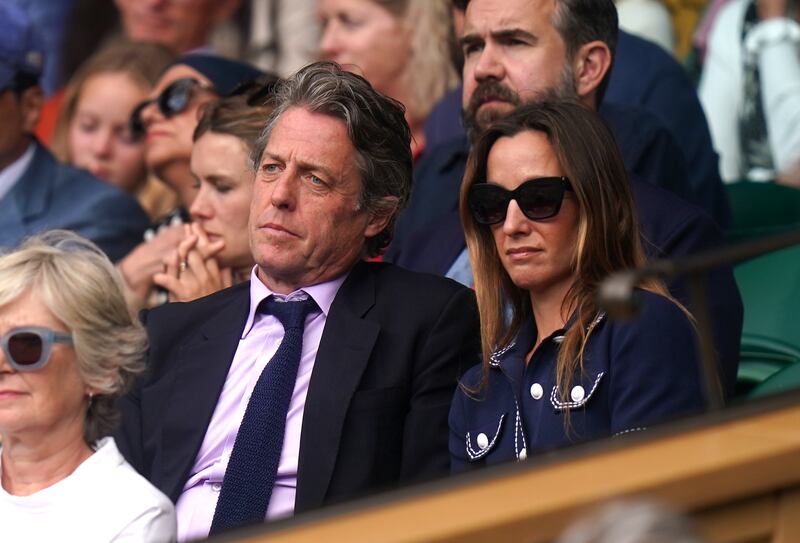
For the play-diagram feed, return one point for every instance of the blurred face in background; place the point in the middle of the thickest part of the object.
(99, 137)
(168, 143)
(220, 165)
(366, 39)
(182, 25)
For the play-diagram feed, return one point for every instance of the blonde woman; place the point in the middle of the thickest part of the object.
(399, 46)
(93, 128)
(69, 349)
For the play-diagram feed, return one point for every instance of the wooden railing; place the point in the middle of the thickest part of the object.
(736, 472)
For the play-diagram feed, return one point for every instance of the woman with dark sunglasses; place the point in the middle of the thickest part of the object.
(216, 251)
(69, 349)
(93, 129)
(548, 213)
(167, 121)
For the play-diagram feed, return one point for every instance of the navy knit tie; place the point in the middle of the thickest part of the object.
(253, 466)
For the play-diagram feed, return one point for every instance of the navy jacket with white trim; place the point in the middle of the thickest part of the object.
(636, 373)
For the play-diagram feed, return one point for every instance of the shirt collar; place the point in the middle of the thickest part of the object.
(13, 172)
(323, 295)
(518, 348)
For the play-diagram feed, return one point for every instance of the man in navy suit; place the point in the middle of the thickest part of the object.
(36, 191)
(381, 349)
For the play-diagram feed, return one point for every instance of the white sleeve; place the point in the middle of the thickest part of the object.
(721, 88)
(779, 70)
(155, 525)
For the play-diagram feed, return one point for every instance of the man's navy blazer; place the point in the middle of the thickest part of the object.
(394, 344)
(53, 195)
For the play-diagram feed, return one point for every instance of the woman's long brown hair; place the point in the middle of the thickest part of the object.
(608, 229)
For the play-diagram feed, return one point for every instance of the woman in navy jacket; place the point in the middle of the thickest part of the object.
(547, 212)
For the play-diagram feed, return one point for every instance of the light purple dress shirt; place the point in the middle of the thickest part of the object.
(260, 339)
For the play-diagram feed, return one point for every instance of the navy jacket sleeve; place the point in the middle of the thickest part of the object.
(654, 374)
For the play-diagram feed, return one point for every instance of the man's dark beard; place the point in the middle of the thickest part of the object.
(475, 123)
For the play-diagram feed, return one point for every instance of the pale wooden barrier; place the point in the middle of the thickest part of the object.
(737, 472)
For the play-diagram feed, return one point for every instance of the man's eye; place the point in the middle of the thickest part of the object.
(470, 48)
(348, 21)
(316, 181)
(269, 168)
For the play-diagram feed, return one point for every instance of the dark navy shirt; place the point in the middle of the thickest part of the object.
(636, 373)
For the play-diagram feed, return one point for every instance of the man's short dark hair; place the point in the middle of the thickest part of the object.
(377, 129)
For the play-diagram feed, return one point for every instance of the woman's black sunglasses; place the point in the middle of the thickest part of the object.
(172, 100)
(28, 348)
(538, 198)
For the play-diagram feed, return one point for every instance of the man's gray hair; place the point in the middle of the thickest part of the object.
(377, 129)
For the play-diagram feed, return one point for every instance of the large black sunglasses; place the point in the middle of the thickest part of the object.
(28, 348)
(172, 100)
(538, 198)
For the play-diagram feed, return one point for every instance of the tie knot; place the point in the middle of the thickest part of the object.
(292, 314)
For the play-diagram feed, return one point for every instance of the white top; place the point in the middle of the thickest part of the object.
(103, 500)
(721, 90)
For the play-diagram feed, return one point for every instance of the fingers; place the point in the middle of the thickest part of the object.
(206, 247)
(185, 247)
(171, 263)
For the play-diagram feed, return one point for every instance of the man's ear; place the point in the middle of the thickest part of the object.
(381, 217)
(590, 66)
(31, 102)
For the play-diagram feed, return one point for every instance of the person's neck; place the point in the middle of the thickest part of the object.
(33, 463)
(549, 311)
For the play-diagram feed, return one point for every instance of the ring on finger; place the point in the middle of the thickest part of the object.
(182, 266)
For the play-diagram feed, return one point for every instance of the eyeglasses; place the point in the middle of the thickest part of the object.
(538, 198)
(172, 100)
(28, 348)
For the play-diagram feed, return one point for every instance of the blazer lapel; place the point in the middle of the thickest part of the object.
(28, 198)
(202, 367)
(343, 354)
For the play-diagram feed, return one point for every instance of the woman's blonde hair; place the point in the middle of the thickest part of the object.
(608, 236)
(142, 62)
(431, 73)
(79, 285)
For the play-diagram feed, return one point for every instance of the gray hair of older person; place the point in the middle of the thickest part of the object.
(376, 126)
(629, 521)
(78, 284)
